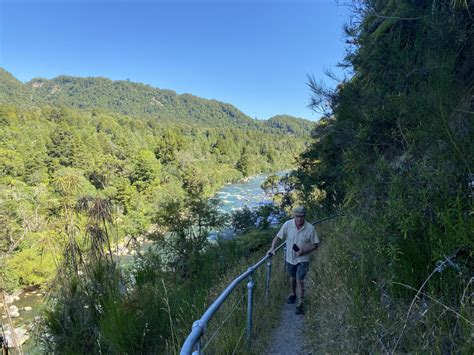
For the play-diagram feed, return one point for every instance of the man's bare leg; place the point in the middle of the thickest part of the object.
(299, 307)
(293, 286)
(300, 284)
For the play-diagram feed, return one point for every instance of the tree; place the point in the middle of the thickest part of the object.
(184, 227)
(146, 170)
(244, 164)
(11, 163)
(271, 185)
(64, 146)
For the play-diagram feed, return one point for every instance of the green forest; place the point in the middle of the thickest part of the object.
(89, 163)
(51, 156)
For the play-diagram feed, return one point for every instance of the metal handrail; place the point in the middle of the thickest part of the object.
(327, 218)
(199, 326)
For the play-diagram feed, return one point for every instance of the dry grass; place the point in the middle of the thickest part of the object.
(225, 333)
(327, 329)
(339, 320)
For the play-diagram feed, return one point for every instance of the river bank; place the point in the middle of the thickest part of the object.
(20, 311)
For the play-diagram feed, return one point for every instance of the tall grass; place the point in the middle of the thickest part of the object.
(356, 307)
(226, 333)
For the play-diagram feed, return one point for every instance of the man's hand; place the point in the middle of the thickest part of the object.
(271, 252)
(302, 251)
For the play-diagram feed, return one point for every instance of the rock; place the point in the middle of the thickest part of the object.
(13, 310)
(9, 299)
(21, 336)
(27, 308)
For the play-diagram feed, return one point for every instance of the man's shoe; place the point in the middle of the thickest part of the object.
(291, 299)
(299, 309)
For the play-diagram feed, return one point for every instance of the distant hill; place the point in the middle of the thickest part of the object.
(13, 91)
(290, 124)
(139, 100)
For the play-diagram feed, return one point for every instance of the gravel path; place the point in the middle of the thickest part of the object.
(287, 337)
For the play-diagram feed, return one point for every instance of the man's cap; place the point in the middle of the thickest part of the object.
(299, 211)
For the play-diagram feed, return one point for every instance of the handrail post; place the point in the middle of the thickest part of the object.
(267, 280)
(250, 285)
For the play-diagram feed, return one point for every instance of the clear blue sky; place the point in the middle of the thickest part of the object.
(252, 54)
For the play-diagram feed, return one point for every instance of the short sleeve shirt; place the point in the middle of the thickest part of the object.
(304, 238)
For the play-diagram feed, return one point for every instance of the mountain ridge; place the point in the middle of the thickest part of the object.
(140, 100)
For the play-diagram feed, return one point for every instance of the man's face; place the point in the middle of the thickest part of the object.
(299, 220)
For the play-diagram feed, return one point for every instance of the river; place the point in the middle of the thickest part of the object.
(231, 196)
(246, 193)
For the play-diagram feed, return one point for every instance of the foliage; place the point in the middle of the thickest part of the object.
(51, 157)
(396, 153)
(271, 185)
(30, 266)
(244, 219)
(150, 307)
(291, 125)
(184, 227)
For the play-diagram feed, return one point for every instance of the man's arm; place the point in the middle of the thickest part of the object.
(314, 245)
(280, 235)
(274, 245)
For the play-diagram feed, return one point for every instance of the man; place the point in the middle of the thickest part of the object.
(301, 239)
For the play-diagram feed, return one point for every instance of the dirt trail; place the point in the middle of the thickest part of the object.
(287, 337)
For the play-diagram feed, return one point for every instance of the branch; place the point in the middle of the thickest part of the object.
(399, 18)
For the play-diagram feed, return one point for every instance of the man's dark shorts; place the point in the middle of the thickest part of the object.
(297, 271)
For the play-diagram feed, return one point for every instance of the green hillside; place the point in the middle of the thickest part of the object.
(139, 100)
(290, 125)
(13, 91)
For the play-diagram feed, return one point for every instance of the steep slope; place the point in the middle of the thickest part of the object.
(136, 99)
(12, 91)
(140, 100)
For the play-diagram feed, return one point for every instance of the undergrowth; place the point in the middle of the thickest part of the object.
(359, 305)
(151, 310)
